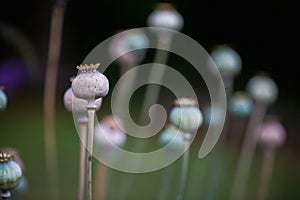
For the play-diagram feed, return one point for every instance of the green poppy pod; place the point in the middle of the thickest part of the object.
(10, 174)
(240, 104)
(186, 115)
(3, 99)
(172, 137)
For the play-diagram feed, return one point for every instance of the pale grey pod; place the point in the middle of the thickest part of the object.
(272, 133)
(108, 133)
(227, 60)
(165, 16)
(74, 104)
(262, 89)
(90, 84)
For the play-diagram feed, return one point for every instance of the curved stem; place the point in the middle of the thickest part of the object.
(247, 153)
(266, 173)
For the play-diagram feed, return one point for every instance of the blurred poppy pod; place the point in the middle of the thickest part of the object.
(227, 60)
(172, 137)
(240, 104)
(74, 104)
(262, 89)
(108, 133)
(165, 16)
(272, 133)
(128, 41)
(186, 115)
(3, 99)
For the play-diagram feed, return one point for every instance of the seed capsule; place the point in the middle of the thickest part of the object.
(90, 84)
(186, 115)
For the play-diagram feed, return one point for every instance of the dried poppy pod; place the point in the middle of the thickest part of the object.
(227, 60)
(3, 99)
(172, 137)
(240, 104)
(128, 41)
(165, 16)
(272, 133)
(90, 84)
(74, 104)
(108, 133)
(186, 115)
(262, 89)
(10, 174)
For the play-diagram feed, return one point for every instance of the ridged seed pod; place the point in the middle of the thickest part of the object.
(90, 84)
(10, 174)
(185, 115)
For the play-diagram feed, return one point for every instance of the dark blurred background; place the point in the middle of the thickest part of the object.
(261, 31)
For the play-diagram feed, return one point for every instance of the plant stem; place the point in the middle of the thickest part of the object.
(156, 74)
(50, 96)
(266, 173)
(184, 168)
(91, 108)
(247, 153)
(101, 178)
(83, 133)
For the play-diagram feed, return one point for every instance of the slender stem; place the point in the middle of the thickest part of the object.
(266, 173)
(91, 116)
(101, 177)
(50, 96)
(83, 133)
(151, 96)
(156, 74)
(184, 169)
(247, 154)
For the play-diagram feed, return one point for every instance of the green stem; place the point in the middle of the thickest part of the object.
(184, 169)
(266, 173)
(247, 154)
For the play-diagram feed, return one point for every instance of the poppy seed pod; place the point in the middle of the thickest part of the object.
(227, 60)
(172, 137)
(3, 99)
(10, 174)
(186, 115)
(272, 133)
(165, 16)
(262, 89)
(127, 42)
(215, 119)
(240, 104)
(74, 104)
(108, 133)
(90, 84)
